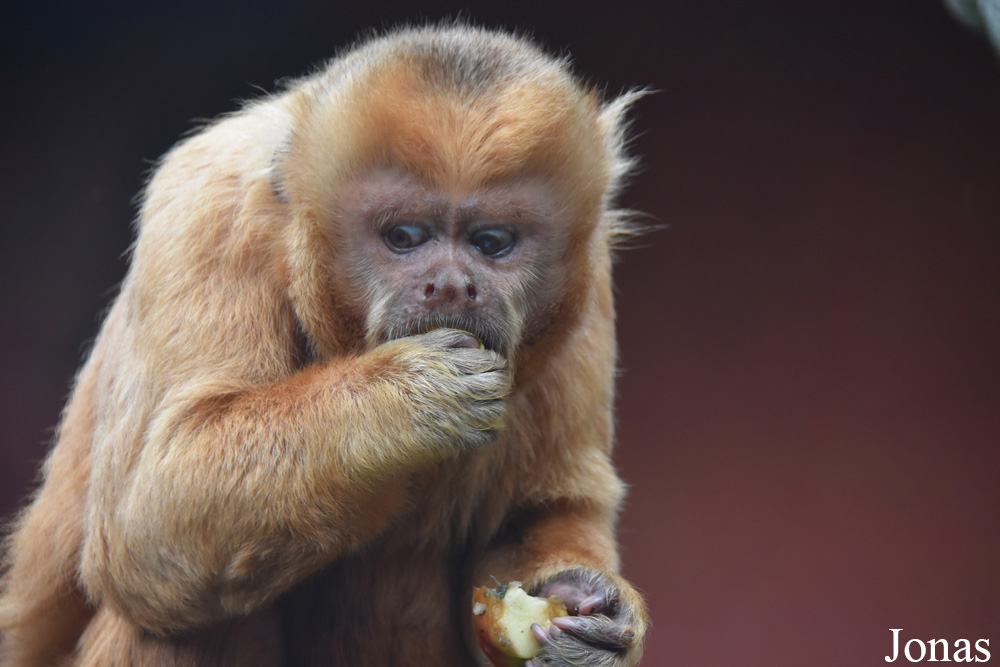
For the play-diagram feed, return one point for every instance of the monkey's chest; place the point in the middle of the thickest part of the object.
(400, 600)
(384, 605)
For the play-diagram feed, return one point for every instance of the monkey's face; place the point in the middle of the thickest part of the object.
(489, 260)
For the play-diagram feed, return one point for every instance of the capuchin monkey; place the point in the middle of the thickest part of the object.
(362, 362)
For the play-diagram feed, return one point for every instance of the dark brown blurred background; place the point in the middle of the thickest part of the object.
(810, 402)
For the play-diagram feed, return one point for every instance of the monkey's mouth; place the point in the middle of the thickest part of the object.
(495, 339)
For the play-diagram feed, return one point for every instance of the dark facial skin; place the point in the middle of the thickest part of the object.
(487, 260)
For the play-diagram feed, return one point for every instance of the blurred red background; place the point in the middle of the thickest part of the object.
(810, 403)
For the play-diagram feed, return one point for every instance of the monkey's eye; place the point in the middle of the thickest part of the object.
(404, 237)
(492, 242)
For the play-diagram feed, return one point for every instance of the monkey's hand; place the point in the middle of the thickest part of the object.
(604, 629)
(455, 389)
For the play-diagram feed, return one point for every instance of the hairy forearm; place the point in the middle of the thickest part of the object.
(230, 496)
(235, 497)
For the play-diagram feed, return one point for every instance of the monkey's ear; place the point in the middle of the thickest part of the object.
(614, 125)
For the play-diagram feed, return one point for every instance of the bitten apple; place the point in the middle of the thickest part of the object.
(502, 618)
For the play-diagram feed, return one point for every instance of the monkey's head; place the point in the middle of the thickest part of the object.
(458, 178)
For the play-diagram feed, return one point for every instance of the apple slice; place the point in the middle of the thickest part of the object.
(503, 616)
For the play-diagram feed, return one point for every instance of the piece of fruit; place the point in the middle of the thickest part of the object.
(502, 618)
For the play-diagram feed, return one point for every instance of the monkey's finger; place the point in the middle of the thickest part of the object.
(476, 360)
(592, 605)
(486, 415)
(469, 341)
(453, 338)
(479, 439)
(565, 650)
(600, 630)
(545, 634)
(486, 387)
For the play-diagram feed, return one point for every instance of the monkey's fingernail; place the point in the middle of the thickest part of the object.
(541, 634)
(555, 632)
(589, 605)
(468, 341)
(569, 623)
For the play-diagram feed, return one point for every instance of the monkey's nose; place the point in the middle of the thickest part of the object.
(453, 293)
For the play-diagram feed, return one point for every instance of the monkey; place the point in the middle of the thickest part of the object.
(362, 361)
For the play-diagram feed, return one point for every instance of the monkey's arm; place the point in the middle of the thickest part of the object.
(563, 543)
(235, 495)
(228, 493)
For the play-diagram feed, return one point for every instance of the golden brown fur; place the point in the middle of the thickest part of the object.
(268, 460)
